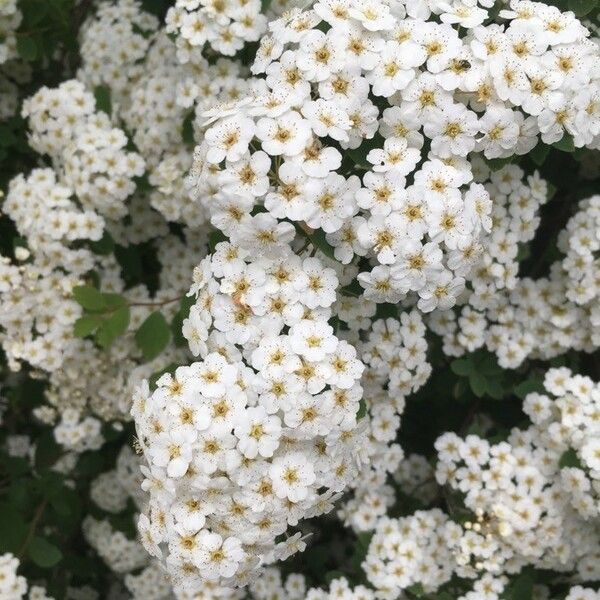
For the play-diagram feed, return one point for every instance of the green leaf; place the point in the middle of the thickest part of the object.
(214, 237)
(535, 384)
(7, 137)
(187, 129)
(103, 99)
(461, 366)
(177, 323)
(478, 383)
(27, 48)
(170, 368)
(331, 575)
(521, 588)
(487, 364)
(362, 409)
(318, 240)
(89, 297)
(494, 389)
(65, 502)
(539, 153)
(565, 143)
(569, 459)
(153, 335)
(113, 301)
(358, 156)
(582, 7)
(495, 164)
(43, 553)
(12, 529)
(130, 260)
(47, 451)
(416, 590)
(86, 325)
(523, 252)
(103, 246)
(361, 548)
(113, 327)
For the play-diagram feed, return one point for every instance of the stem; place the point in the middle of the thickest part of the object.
(39, 511)
(169, 301)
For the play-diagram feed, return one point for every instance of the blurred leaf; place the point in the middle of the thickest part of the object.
(520, 588)
(103, 99)
(103, 246)
(535, 384)
(582, 7)
(177, 323)
(187, 130)
(47, 450)
(89, 297)
(113, 327)
(153, 335)
(86, 325)
(569, 458)
(495, 164)
(12, 529)
(27, 48)
(461, 366)
(43, 553)
(478, 383)
(565, 143)
(539, 153)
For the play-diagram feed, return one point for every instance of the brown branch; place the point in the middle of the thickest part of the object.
(39, 511)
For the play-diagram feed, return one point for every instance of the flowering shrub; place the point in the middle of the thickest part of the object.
(299, 301)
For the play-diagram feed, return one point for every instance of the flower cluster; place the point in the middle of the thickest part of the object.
(13, 586)
(261, 432)
(350, 192)
(515, 317)
(223, 26)
(569, 413)
(401, 553)
(394, 355)
(119, 553)
(89, 153)
(528, 507)
(346, 91)
(10, 19)
(113, 43)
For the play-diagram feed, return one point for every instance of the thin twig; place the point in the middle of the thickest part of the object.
(39, 511)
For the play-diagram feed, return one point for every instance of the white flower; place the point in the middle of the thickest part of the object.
(288, 134)
(312, 340)
(229, 139)
(292, 476)
(258, 433)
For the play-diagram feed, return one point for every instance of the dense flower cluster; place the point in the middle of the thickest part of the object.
(411, 550)
(13, 586)
(394, 354)
(223, 26)
(112, 45)
(259, 434)
(528, 508)
(361, 195)
(492, 91)
(520, 317)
